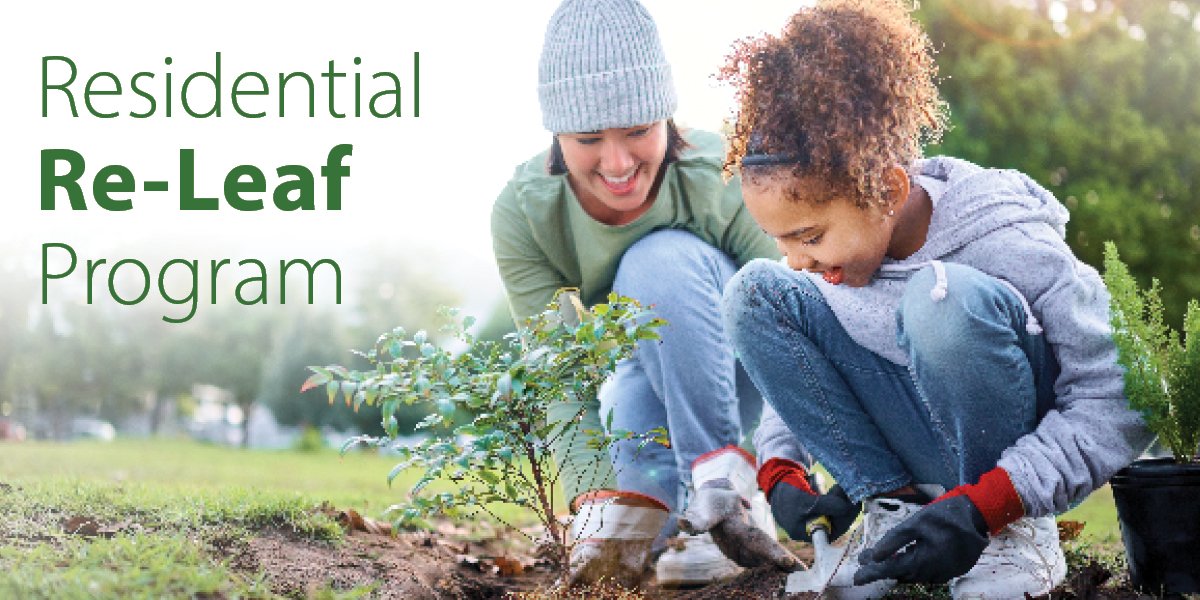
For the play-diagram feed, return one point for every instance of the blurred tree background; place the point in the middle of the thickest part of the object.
(64, 361)
(1099, 100)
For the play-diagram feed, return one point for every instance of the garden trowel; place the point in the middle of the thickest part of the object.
(826, 558)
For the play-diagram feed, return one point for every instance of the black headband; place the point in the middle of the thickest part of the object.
(765, 160)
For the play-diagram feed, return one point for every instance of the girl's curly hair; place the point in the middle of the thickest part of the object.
(847, 90)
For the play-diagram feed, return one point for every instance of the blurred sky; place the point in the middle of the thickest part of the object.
(421, 187)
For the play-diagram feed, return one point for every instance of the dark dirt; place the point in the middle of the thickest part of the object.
(438, 565)
(763, 582)
(406, 566)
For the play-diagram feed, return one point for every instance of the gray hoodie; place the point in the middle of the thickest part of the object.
(1004, 224)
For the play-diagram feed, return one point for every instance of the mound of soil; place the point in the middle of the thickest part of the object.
(406, 566)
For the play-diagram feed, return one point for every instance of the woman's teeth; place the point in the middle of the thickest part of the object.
(618, 180)
(620, 185)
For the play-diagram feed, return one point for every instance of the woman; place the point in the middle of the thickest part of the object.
(625, 200)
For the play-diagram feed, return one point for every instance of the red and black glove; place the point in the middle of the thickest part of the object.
(794, 502)
(946, 538)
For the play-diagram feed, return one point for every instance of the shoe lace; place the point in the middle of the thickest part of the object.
(1009, 543)
(882, 518)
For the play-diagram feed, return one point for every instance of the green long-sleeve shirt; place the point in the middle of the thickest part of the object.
(543, 240)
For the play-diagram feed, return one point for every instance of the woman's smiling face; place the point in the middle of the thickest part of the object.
(613, 171)
(818, 231)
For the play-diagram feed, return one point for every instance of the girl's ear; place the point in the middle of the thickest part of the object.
(896, 180)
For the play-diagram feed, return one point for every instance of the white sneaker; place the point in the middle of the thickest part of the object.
(880, 516)
(693, 560)
(1024, 558)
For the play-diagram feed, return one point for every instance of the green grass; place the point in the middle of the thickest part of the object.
(170, 502)
(356, 480)
(157, 548)
(125, 566)
(1099, 516)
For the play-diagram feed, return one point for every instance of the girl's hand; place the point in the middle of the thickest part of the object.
(795, 502)
(938, 543)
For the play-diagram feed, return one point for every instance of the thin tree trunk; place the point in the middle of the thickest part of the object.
(246, 425)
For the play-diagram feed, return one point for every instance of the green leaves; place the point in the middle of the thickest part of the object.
(503, 454)
(1162, 372)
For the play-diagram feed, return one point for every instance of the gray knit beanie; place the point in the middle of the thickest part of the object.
(603, 66)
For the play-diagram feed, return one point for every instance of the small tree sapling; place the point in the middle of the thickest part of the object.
(502, 456)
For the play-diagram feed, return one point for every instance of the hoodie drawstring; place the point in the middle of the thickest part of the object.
(941, 287)
(1032, 327)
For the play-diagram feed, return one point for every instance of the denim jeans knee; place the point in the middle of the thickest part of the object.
(751, 292)
(657, 267)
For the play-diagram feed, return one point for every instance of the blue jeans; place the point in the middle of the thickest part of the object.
(689, 382)
(976, 380)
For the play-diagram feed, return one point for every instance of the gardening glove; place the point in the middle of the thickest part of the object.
(746, 537)
(795, 502)
(722, 512)
(946, 538)
(611, 535)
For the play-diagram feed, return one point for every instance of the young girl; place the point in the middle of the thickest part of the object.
(929, 337)
(624, 200)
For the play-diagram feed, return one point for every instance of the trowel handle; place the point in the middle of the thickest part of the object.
(817, 523)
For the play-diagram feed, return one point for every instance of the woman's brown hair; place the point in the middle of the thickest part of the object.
(847, 90)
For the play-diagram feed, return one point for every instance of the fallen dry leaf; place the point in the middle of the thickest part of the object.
(509, 567)
(350, 519)
(1069, 530)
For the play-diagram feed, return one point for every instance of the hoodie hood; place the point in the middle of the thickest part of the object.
(975, 201)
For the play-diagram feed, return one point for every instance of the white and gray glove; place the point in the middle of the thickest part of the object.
(722, 512)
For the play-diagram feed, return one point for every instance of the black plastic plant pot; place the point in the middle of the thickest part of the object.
(1158, 506)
